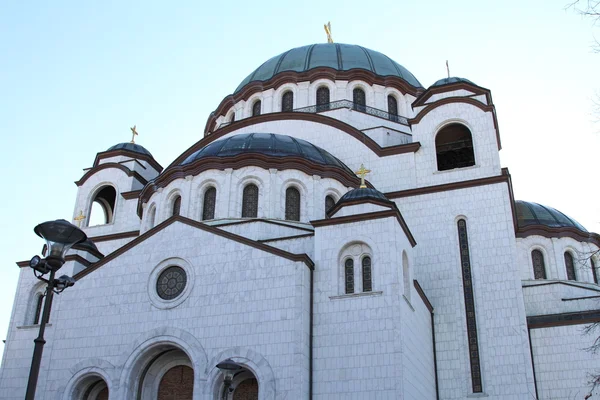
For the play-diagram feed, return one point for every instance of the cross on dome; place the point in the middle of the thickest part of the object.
(133, 134)
(362, 172)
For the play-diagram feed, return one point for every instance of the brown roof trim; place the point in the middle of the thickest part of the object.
(286, 238)
(70, 257)
(365, 217)
(338, 206)
(245, 160)
(134, 194)
(267, 221)
(207, 228)
(114, 236)
(467, 100)
(136, 156)
(563, 319)
(100, 167)
(419, 290)
(450, 186)
(581, 298)
(561, 232)
(426, 95)
(566, 283)
(299, 116)
(386, 127)
(311, 75)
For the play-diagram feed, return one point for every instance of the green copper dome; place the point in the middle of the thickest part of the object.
(341, 57)
(529, 213)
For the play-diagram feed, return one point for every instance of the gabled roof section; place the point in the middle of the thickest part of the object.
(199, 225)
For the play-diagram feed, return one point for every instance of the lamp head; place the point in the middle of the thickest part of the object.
(229, 368)
(60, 236)
(63, 282)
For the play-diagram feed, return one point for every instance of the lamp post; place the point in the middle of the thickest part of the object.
(229, 368)
(60, 236)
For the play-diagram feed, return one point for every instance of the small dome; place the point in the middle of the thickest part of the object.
(363, 194)
(536, 214)
(269, 144)
(341, 57)
(128, 146)
(452, 79)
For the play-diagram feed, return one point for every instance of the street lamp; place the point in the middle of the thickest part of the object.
(229, 368)
(60, 236)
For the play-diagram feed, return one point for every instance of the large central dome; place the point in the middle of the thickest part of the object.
(341, 57)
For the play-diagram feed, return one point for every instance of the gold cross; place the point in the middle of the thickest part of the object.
(79, 218)
(362, 172)
(328, 32)
(134, 134)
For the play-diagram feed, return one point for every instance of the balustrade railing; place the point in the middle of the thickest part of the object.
(334, 105)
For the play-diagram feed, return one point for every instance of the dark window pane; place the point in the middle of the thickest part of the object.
(208, 205)
(177, 206)
(359, 99)
(171, 282)
(38, 309)
(594, 271)
(570, 265)
(256, 108)
(232, 117)
(323, 99)
(539, 269)
(329, 203)
(454, 147)
(250, 201)
(392, 108)
(287, 101)
(292, 204)
(349, 275)
(366, 272)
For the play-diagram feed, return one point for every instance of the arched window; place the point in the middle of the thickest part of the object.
(103, 206)
(406, 275)
(176, 206)
(594, 271)
(256, 108)
(151, 217)
(329, 203)
(392, 108)
(232, 119)
(39, 302)
(250, 201)
(570, 266)
(287, 101)
(359, 99)
(454, 147)
(349, 275)
(292, 204)
(366, 274)
(208, 205)
(323, 99)
(539, 268)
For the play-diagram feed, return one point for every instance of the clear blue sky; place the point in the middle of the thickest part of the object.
(74, 76)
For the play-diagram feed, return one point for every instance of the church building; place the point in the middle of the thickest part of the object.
(340, 231)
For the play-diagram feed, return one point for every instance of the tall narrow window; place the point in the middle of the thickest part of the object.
(177, 206)
(38, 309)
(454, 147)
(208, 204)
(406, 275)
(349, 275)
(103, 207)
(151, 217)
(250, 201)
(256, 108)
(570, 266)
(323, 99)
(287, 101)
(392, 108)
(539, 268)
(465, 261)
(232, 119)
(594, 271)
(292, 204)
(359, 99)
(329, 203)
(366, 274)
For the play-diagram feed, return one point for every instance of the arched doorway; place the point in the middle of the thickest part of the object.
(239, 385)
(177, 384)
(168, 375)
(92, 387)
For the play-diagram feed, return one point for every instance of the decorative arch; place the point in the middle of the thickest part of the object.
(171, 203)
(35, 305)
(302, 201)
(454, 147)
(538, 263)
(250, 360)
(256, 108)
(242, 185)
(86, 380)
(102, 205)
(570, 265)
(280, 92)
(151, 216)
(352, 268)
(151, 346)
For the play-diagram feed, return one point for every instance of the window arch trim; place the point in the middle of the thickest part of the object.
(540, 271)
(470, 158)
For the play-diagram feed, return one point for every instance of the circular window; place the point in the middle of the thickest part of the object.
(171, 282)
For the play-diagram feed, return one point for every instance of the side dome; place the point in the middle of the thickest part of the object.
(450, 80)
(536, 214)
(360, 194)
(128, 146)
(269, 144)
(338, 56)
